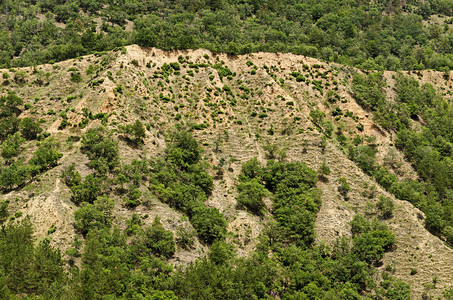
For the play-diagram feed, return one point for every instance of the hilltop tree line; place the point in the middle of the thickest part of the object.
(380, 34)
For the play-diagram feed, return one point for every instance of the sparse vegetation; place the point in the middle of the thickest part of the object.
(149, 201)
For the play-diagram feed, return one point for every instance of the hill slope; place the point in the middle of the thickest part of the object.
(238, 107)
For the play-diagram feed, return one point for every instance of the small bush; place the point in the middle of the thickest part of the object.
(344, 187)
(251, 194)
(386, 206)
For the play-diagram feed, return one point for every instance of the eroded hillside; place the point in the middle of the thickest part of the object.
(280, 106)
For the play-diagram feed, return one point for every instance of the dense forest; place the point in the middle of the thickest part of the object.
(384, 34)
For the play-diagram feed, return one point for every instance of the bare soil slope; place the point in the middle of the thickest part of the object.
(236, 106)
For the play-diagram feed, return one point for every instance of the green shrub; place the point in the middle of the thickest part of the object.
(70, 176)
(344, 187)
(157, 240)
(220, 252)
(209, 224)
(88, 190)
(183, 149)
(94, 216)
(3, 211)
(323, 170)
(29, 128)
(101, 149)
(12, 146)
(251, 194)
(386, 206)
(45, 157)
(135, 133)
(371, 239)
(76, 77)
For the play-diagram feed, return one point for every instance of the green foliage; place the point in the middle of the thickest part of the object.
(251, 194)
(133, 194)
(248, 279)
(335, 31)
(45, 157)
(448, 294)
(317, 117)
(368, 90)
(295, 201)
(371, 239)
(131, 264)
(273, 151)
(76, 77)
(181, 181)
(209, 223)
(70, 176)
(15, 175)
(135, 132)
(386, 207)
(88, 190)
(292, 272)
(220, 252)
(223, 71)
(27, 267)
(9, 104)
(185, 236)
(133, 224)
(101, 149)
(104, 265)
(323, 170)
(111, 266)
(157, 240)
(328, 128)
(395, 289)
(447, 231)
(3, 211)
(364, 156)
(94, 216)
(8, 125)
(183, 149)
(344, 187)
(29, 128)
(9, 110)
(12, 146)
(429, 149)
(251, 169)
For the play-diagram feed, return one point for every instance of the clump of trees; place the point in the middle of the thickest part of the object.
(134, 133)
(291, 188)
(298, 269)
(386, 207)
(181, 180)
(28, 267)
(14, 135)
(101, 149)
(428, 150)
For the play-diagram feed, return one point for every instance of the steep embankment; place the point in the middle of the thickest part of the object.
(238, 107)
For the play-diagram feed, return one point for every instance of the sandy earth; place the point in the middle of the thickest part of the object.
(233, 136)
